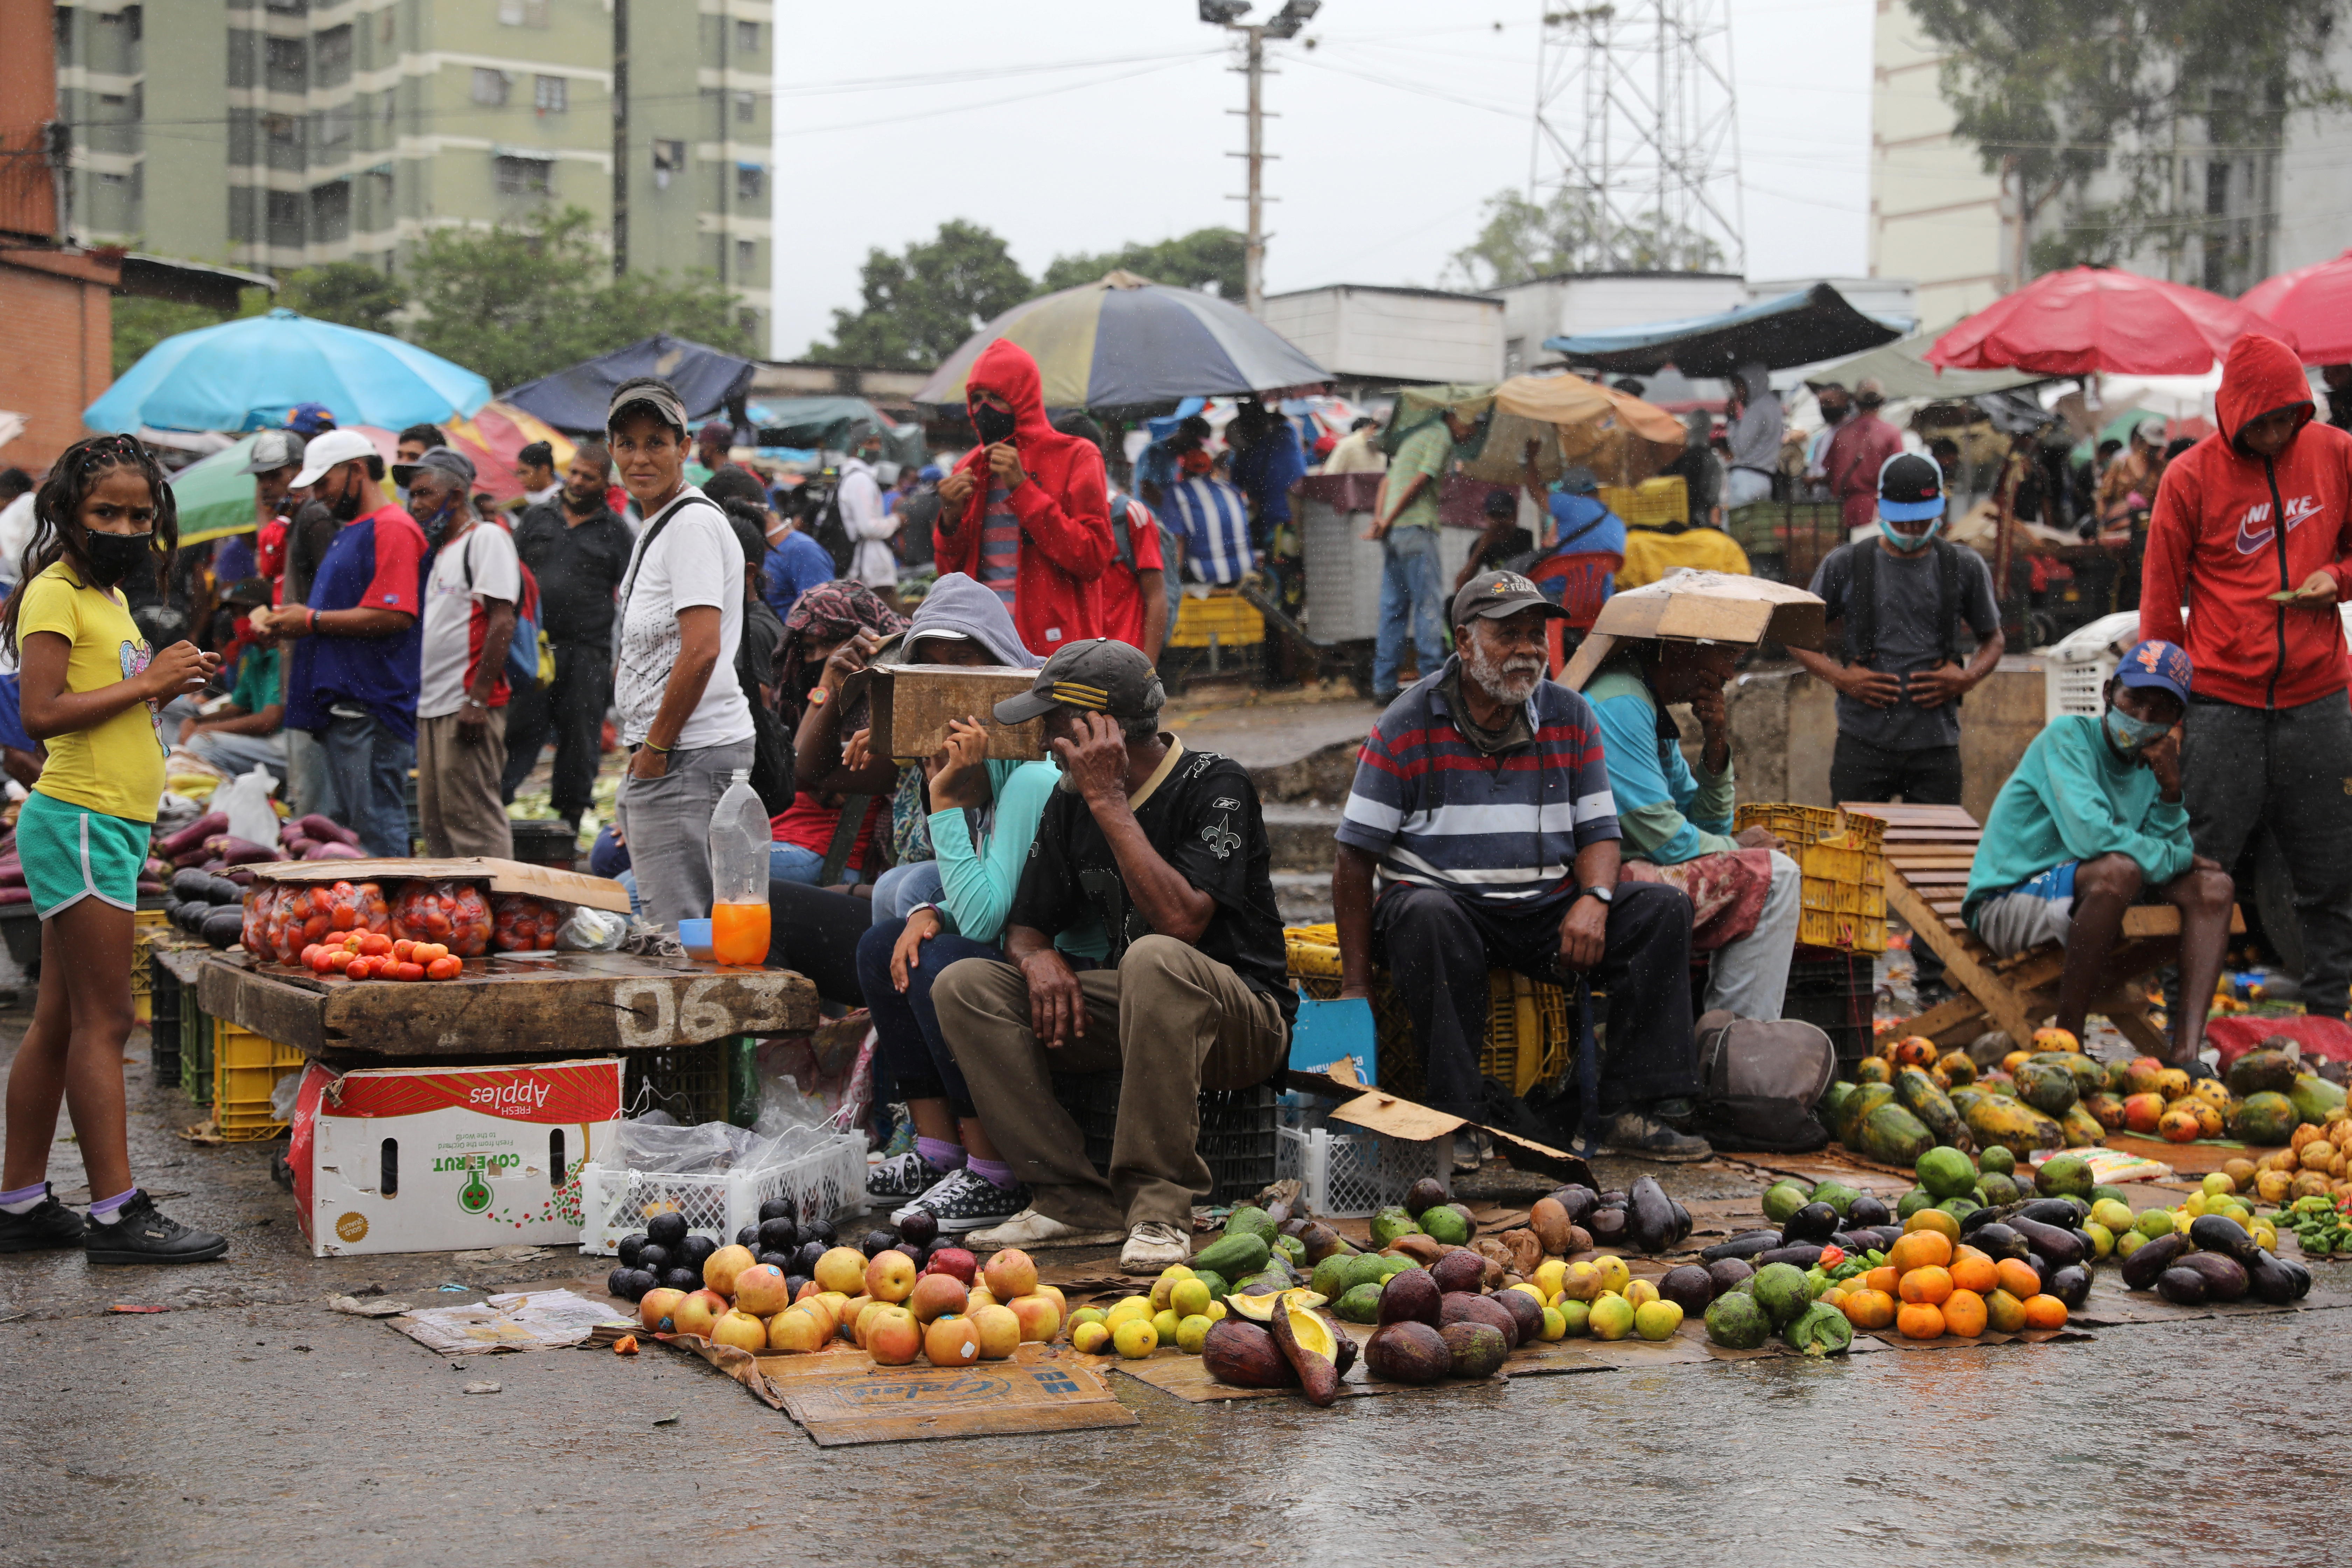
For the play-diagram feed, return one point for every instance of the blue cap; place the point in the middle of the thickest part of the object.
(2158, 664)
(307, 419)
(1910, 488)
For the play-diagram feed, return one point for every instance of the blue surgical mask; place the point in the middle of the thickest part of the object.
(1907, 540)
(2130, 735)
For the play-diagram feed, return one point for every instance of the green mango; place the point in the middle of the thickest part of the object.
(2315, 1097)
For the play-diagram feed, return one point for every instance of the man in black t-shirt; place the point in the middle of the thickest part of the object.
(579, 551)
(1167, 850)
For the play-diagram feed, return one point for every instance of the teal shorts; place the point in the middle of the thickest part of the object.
(72, 852)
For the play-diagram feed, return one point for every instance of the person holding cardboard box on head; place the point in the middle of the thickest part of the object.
(1165, 850)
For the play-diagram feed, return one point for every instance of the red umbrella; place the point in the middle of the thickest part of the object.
(2090, 319)
(2312, 302)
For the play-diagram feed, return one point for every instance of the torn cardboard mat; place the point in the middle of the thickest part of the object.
(1380, 1111)
(503, 877)
(522, 1321)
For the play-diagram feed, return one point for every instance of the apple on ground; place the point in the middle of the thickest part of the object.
(893, 1338)
(937, 1296)
(742, 1331)
(1038, 1317)
(797, 1331)
(655, 1305)
(952, 1341)
(998, 1329)
(699, 1313)
(1010, 1273)
(891, 1276)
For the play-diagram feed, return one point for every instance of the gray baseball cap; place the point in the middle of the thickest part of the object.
(273, 451)
(1098, 676)
(442, 459)
(657, 397)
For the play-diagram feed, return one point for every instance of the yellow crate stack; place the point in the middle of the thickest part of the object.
(246, 1071)
(146, 925)
(1842, 858)
(1652, 503)
(1530, 1035)
(1223, 615)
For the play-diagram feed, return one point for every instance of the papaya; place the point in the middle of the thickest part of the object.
(1920, 1097)
(1872, 1069)
(1860, 1104)
(2090, 1074)
(1999, 1083)
(1962, 1098)
(1892, 1135)
(1833, 1098)
(1234, 1256)
(2082, 1129)
(2262, 1072)
(2047, 1088)
(1959, 1068)
(2267, 1118)
(2014, 1125)
(2315, 1097)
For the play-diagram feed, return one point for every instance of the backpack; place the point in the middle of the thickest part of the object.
(829, 531)
(771, 744)
(1759, 1082)
(525, 649)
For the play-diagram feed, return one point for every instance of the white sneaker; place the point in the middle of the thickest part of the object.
(1152, 1246)
(1030, 1228)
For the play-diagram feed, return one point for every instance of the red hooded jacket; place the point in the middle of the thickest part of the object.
(2214, 543)
(1064, 508)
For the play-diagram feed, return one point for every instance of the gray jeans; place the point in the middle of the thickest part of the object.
(666, 822)
(2290, 768)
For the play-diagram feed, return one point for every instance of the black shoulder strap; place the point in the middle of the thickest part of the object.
(646, 544)
(1947, 599)
(845, 838)
(1861, 602)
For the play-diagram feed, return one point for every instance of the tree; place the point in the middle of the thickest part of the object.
(349, 292)
(1210, 259)
(917, 307)
(140, 324)
(1519, 240)
(516, 303)
(2056, 93)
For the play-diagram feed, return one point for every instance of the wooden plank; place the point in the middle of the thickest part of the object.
(1963, 966)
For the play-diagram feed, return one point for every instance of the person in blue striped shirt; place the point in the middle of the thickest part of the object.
(1214, 520)
(1482, 800)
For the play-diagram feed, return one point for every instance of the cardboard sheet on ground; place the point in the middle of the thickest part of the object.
(521, 1320)
(1399, 1118)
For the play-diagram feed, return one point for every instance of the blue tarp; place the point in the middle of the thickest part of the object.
(574, 400)
(1803, 328)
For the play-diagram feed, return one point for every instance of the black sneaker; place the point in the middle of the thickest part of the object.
(2196, 1068)
(963, 1201)
(141, 1233)
(1644, 1137)
(902, 1177)
(46, 1224)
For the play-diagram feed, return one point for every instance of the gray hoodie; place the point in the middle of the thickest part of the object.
(957, 604)
(1756, 439)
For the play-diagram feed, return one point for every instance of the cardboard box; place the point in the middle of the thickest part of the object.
(440, 1159)
(913, 702)
(499, 875)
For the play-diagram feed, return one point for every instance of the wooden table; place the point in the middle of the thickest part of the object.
(508, 1005)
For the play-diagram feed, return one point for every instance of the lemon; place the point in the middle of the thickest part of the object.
(1190, 1332)
(1177, 1271)
(2195, 1206)
(1657, 1320)
(1215, 1312)
(1136, 1339)
(2266, 1235)
(2219, 1184)
(1613, 1273)
(1089, 1338)
(1165, 1324)
(1086, 1315)
(1641, 1293)
(1547, 1277)
(1555, 1325)
(1190, 1298)
(1575, 1317)
(2102, 1240)
(1128, 1311)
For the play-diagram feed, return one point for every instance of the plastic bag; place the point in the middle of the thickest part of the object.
(358, 906)
(246, 801)
(591, 931)
(705, 1148)
(454, 913)
(521, 923)
(305, 915)
(259, 937)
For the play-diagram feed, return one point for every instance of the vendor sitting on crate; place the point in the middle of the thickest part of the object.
(1167, 849)
(1482, 798)
(1746, 896)
(2091, 822)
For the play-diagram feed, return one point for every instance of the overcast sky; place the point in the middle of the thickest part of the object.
(1068, 125)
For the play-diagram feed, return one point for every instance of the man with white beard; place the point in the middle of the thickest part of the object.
(1482, 800)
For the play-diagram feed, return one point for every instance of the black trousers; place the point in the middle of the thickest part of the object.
(571, 712)
(1860, 770)
(1437, 948)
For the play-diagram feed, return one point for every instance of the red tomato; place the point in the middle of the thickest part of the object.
(361, 969)
(404, 950)
(375, 942)
(315, 926)
(318, 961)
(407, 970)
(444, 968)
(344, 917)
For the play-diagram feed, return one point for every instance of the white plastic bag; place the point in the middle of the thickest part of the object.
(245, 799)
(591, 931)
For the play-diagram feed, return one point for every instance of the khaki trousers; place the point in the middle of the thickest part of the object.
(458, 800)
(1171, 1020)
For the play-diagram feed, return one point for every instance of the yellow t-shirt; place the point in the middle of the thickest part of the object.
(118, 767)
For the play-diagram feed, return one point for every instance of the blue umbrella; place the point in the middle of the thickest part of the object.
(246, 374)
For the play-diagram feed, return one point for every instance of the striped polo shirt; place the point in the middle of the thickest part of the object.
(1502, 831)
(1214, 521)
(1000, 545)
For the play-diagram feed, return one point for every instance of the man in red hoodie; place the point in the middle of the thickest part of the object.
(1026, 513)
(2253, 533)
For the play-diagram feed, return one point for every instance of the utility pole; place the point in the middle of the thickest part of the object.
(1285, 23)
(621, 137)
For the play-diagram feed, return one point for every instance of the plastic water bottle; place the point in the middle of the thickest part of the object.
(739, 875)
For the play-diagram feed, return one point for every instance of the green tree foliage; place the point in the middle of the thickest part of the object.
(140, 324)
(515, 303)
(349, 292)
(915, 307)
(1519, 240)
(1207, 259)
(2056, 92)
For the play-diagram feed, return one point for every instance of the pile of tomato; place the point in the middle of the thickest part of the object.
(371, 955)
(453, 913)
(521, 923)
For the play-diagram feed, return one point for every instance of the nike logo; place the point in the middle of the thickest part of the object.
(2255, 530)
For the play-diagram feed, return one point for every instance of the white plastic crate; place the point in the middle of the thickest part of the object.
(1350, 1176)
(2074, 668)
(826, 1183)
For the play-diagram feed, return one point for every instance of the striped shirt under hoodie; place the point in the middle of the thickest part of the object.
(1502, 830)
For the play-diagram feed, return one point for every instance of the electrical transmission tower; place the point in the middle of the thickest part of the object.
(1635, 114)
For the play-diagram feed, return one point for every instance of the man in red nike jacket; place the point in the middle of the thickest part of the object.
(2251, 541)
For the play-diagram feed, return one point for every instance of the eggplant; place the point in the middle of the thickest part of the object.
(1649, 1217)
(2181, 1287)
(1748, 1243)
(2060, 1247)
(2141, 1268)
(314, 826)
(238, 851)
(224, 928)
(2219, 1233)
(1855, 1246)
(2267, 1277)
(1977, 1219)
(1998, 1241)
(2071, 1285)
(2302, 1276)
(2225, 1277)
(193, 835)
(1609, 1226)
(221, 891)
(1803, 1254)
(1814, 1222)
(1866, 1211)
(1578, 1199)
(2059, 1212)
(192, 883)
(1682, 1221)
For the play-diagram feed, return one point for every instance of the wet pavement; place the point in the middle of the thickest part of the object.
(250, 1422)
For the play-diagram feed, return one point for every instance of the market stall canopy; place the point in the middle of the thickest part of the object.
(214, 496)
(1700, 607)
(247, 375)
(575, 399)
(1901, 368)
(1804, 327)
(2090, 319)
(2312, 302)
(1574, 422)
(1126, 346)
(493, 437)
(836, 424)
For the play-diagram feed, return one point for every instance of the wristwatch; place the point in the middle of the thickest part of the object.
(1605, 895)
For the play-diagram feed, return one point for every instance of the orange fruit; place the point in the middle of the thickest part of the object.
(2045, 1312)
(2004, 1311)
(1978, 1273)
(1920, 1249)
(1931, 1284)
(1964, 1313)
(2018, 1278)
(1882, 1278)
(1918, 1320)
(1868, 1308)
(1936, 1220)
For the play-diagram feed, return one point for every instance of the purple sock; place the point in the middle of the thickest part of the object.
(24, 1200)
(946, 1156)
(105, 1210)
(997, 1173)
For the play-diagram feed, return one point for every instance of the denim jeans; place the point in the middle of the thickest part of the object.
(790, 863)
(1413, 603)
(1750, 976)
(235, 754)
(899, 892)
(367, 781)
(907, 1043)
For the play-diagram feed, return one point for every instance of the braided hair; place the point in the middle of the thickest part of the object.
(57, 533)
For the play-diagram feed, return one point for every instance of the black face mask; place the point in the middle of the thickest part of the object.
(994, 423)
(114, 556)
(346, 506)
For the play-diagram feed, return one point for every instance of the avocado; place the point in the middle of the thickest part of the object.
(1783, 1199)
(1329, 1280)
(1838, 1195)
(1781, 1291)
(1447, 1226)
(1425, 1195)
(1235, 1256)
(1250, 1220)
(1947, 1172)
(2067, 1177)
(1293, 1248)
(1359, 1305)
(2259, 1072)
(1389, 1224)
(1996, 1160)
(1912, 1202)
(1736, 1321)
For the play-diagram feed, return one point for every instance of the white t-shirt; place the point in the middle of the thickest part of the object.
(451, 609)
(697, 560)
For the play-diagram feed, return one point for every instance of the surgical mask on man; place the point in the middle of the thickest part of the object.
(1902, 541)
(2130, 735)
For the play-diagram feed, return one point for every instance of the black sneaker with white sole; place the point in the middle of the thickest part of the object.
(141, 1233)
(901, 1178)
(1644, 1137)
(963, 1202)
(47, 1223)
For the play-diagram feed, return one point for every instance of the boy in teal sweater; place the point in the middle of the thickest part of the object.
(2091, 823)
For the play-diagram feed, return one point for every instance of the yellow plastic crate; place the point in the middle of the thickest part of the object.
(1530, 1035)
(1650, 504)
(1224, 613)
(146, 925)
(1836, 928)
(1841, 856)
(246, 1071)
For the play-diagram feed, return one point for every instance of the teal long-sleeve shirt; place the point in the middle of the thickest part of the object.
(977, 879)
(1666, 814)
(2074, 796)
